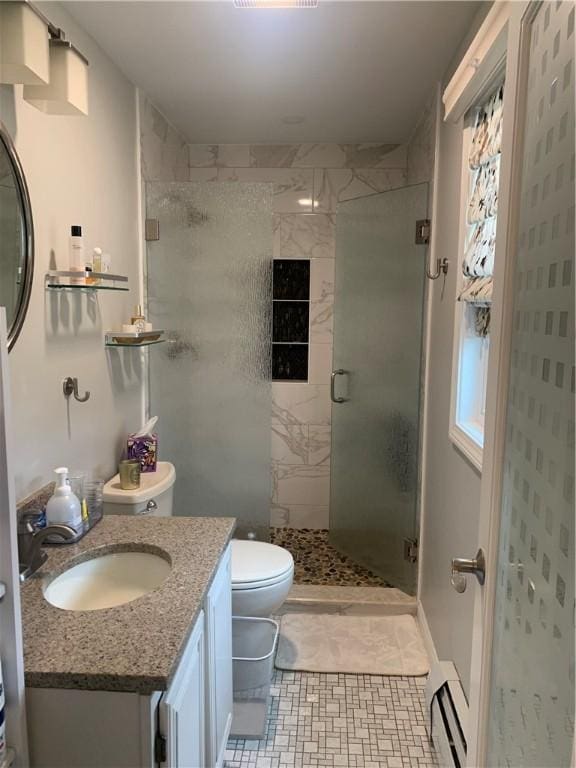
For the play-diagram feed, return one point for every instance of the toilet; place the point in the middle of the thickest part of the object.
(262, 576)
(154, 496)
(262, 573)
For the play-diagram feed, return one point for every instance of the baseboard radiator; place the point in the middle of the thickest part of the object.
(447, 714)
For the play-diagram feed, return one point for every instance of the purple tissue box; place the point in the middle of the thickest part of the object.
(145, 449)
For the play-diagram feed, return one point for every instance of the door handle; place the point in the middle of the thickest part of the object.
(462, 566)
(337, 372)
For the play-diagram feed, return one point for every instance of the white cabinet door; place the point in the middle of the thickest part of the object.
(219, 662)
(181, 711)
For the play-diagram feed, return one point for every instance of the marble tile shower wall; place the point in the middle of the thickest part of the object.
(323, 175)
(309, 181)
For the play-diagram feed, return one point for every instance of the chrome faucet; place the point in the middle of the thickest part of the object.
(30, 554)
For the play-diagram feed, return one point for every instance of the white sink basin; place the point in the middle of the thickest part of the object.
(106, 581)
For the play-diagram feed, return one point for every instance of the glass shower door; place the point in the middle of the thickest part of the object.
(377, 358)
(209, 280)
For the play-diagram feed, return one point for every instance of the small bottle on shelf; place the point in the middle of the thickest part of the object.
(138, 320)
(77, 263)
(96, 266)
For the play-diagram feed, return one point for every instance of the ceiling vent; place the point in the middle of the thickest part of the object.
(276, 3)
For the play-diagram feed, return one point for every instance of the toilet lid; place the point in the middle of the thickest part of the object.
(256, 563)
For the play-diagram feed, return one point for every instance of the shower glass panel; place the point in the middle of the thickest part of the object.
(209, 280)
(531, 709)
(378, 346)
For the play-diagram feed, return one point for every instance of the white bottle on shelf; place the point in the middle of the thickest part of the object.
(77, 263)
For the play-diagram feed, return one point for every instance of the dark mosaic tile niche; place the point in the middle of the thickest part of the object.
(290, 362)
(291, 317)
(290, 321)
(292, 279)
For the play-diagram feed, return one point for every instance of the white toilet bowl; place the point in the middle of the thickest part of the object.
(262, 576)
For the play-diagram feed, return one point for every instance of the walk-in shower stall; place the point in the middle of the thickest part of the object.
(209, 286)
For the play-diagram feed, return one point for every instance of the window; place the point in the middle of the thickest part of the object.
(481, 173)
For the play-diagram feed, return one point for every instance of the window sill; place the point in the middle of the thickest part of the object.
(468, 438)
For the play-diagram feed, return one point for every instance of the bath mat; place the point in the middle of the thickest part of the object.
(358, 645)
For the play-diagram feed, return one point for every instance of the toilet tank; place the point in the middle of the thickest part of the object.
(153, 497)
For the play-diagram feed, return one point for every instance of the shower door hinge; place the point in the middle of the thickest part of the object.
(423, 228)
(151, 229)
(160, 750)
(411, 550)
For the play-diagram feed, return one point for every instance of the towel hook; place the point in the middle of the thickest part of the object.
(441, 268)
(70, 387)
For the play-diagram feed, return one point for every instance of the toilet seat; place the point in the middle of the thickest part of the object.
(257, 564)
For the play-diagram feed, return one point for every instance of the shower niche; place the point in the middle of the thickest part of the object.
(290, 319)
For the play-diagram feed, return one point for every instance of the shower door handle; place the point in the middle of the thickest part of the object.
(337, 372)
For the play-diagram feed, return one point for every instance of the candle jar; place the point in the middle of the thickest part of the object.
(129, 470)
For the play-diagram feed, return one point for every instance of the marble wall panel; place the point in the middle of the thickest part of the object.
(291, 185)
(290, 443)
(333, 186)
(322, 322)
(320, 365)
(300, 404)
(322, 274)
(219, 155)
(350, 156)
(308, 236)
(164, 151)
(367, 155)
(319, 438)
(305, 484)
(299, 516)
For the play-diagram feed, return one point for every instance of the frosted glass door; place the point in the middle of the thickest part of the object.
(210, 286)
(378, 343)
(531, 713)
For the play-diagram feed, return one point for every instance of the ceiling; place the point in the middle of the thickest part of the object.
(345, 71)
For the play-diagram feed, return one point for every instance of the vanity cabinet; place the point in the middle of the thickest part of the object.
(180, 740)
(218, 608)
(186, 726)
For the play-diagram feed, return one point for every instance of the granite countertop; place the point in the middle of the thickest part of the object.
(133, 647)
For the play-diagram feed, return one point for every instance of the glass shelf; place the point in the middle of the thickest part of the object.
(133, 338)
(85, 288)
(134, 346)
(58, 280)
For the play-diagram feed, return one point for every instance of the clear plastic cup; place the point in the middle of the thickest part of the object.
(93, 490)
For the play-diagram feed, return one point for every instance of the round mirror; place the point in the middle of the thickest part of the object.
(16, 239)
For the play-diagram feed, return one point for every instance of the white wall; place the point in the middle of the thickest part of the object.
(451, 490)
(80, 170)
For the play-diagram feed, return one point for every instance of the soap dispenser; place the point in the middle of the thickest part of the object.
(64, 507)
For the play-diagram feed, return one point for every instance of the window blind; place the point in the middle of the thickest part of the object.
(484, 164)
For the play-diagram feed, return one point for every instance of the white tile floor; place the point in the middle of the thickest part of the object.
(352, 721)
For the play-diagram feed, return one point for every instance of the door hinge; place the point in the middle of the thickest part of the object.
(411, 550)
(423, 228)
(159, 748)
(151, 229)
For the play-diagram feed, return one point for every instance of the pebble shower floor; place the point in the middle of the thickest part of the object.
(349, 721)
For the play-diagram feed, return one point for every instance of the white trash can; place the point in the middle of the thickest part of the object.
(254, 642)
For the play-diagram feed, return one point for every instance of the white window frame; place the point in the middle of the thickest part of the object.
(479, 73)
